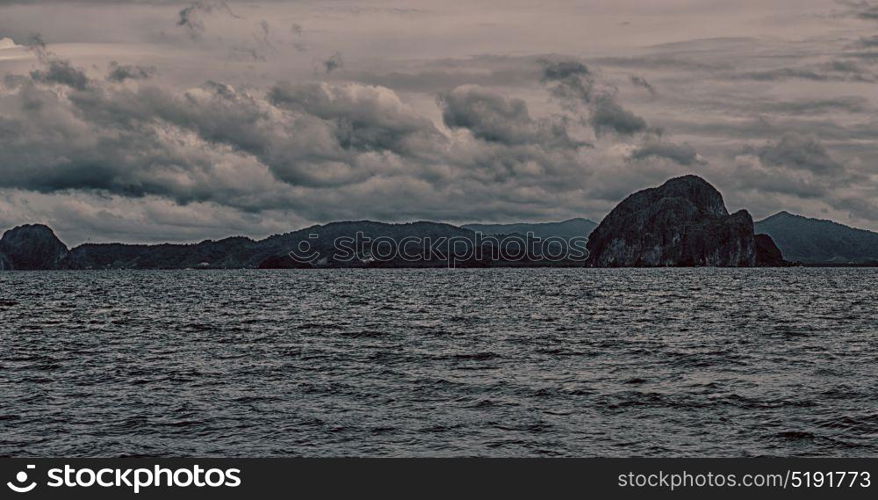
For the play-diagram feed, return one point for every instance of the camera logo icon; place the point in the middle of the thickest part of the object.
(21, 478)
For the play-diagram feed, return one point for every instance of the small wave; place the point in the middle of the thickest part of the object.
(477, 356)
(860, 424)
(796, 435)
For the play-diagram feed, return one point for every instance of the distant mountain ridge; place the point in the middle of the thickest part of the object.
(815, 241)
(364, 244)
(571, 228)
(786, 237)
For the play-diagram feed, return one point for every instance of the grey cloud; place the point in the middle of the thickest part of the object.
(120, 73)
(298, 32)
(62, 72)
(495, 118)
(765, 181)
(247, 53)
(861, 9)
(851, 104)
(264, 38)
(322, 150)
(838, 70)
(568, 80)
(37, 44)
(843, 66)
(800, 153)
(869, 56)
(191, 17)
(785, 73)
(564, 69)
(639, 81)
(684, 154)
(859, 208)
(609, 116)
(660, 61)
(189, 20)
(572, 82)
(356, 103)
(333, 63)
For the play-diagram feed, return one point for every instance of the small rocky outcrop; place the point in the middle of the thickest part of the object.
(683, 222)
(31, 247)
(767, 253)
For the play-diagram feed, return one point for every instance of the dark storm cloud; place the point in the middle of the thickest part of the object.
(764, 182)
(189, 21)
(573, 83)
(359, 118)
(660, 62)
(191, 17)
(37, 44)
(63, 73)
(496, 118)
(298, 32)
(813, 106)
(333, 63)
(799, 152)
(265, 34)
(568, 80)
(609, 116)
(861, 9)
(121, 72)
(684, 154)
(860, 208)
(836, 71)
(796, 165)
(639, 81)
(871, 41)
(324, 150)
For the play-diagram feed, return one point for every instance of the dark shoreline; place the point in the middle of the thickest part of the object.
(339, 268)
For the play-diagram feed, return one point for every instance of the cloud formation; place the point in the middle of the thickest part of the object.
(684, 154)
(191, 17)
(61, 72)
(495, 118)
(121, 72)
(333, 63)
(319, 149)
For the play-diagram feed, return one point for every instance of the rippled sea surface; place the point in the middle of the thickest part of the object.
(510, 362)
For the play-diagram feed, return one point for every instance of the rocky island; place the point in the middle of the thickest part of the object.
(683, 222)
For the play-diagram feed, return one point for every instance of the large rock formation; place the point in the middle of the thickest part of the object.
(31, 247)
(683, 222)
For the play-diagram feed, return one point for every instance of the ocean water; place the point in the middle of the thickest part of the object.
(508, 362)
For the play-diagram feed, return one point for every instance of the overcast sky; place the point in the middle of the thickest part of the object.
(157, 120)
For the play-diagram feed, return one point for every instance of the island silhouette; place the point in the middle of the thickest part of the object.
(682, 223)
